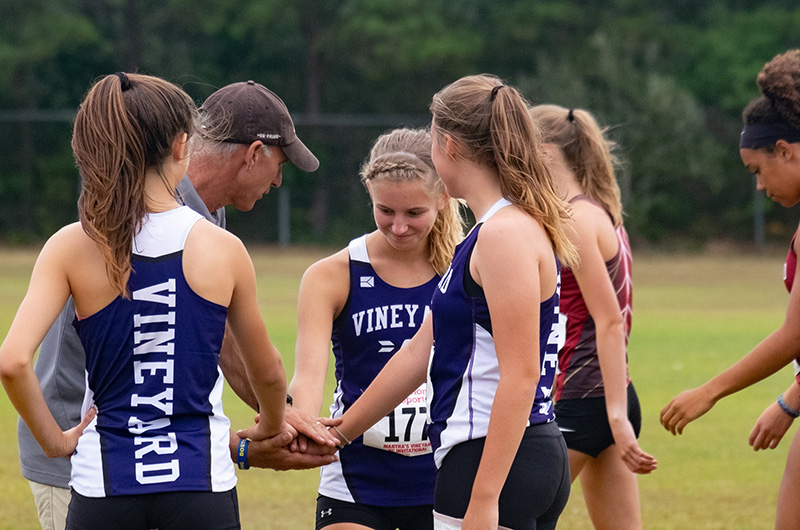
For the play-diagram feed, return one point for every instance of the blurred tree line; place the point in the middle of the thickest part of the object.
(669, 77)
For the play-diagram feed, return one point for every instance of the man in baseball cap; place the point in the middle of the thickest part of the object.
(246, 135)
(249, 112)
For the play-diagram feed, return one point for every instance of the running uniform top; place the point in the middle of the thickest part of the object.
(578, 364)
(60, 369)
(790, 265)
(152, 372)
(789, 270)
(463, 373)
(396, 467)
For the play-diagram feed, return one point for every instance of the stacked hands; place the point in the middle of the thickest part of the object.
(303, 442)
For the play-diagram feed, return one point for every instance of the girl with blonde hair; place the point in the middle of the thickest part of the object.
(368, 300)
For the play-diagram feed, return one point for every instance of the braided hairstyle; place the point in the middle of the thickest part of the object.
(404, 155)
(779, 82)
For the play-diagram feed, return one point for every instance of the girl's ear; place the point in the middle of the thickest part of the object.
(180, 147)
(451, 147)
(784, 150)
(443, 198)
(549, 151)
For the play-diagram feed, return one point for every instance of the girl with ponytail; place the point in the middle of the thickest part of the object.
(153, 284)
(596, 405)
(368, 300)
(501, 460)
(769, 146)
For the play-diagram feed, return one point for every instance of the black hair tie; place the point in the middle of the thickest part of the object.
(124, 82)
(495, 90)
(571, 116)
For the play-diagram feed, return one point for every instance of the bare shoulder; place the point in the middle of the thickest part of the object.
(334, 268)
(209, 236)
(210, 247)
(71, 234)
(514, 244)
(593, 231)
(328, 281)
(588, 214)
(72, 244)
(512, 228)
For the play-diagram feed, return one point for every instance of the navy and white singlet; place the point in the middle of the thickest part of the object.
(391, 464)
(463, 372)
(152, 373)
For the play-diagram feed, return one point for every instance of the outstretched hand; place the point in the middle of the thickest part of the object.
(685, 408)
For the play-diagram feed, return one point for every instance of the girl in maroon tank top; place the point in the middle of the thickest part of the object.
(597, 409)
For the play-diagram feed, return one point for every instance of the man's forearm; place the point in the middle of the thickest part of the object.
(232, 365)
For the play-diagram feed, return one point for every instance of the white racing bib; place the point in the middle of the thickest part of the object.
(403, 430)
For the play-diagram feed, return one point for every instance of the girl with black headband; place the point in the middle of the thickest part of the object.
(770, 149)
(597, 408)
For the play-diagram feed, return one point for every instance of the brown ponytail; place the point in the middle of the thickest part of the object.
(490, 120)
(587, 151)
(125, 126)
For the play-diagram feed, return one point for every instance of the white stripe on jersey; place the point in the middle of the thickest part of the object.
(223, 475)
(470, 417)
(87, 462)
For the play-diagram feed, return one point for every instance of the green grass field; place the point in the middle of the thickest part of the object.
(693, 316)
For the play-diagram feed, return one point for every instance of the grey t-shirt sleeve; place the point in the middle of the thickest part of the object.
(60, 369)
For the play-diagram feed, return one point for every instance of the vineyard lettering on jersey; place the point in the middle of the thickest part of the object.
(550, 360)
(156, 375)
(388, 316)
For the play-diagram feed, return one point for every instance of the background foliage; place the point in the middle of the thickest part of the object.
(669, 77)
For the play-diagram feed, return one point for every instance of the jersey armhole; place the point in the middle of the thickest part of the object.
(471, 287)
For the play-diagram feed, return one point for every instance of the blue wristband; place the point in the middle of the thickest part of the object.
(241, 454)
(788, 410)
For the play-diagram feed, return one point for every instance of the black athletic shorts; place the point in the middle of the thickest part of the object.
(179, 510)
(536, 488)
(584, 422)
(332, 511)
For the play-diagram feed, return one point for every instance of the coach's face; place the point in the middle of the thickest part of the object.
(260, 173)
